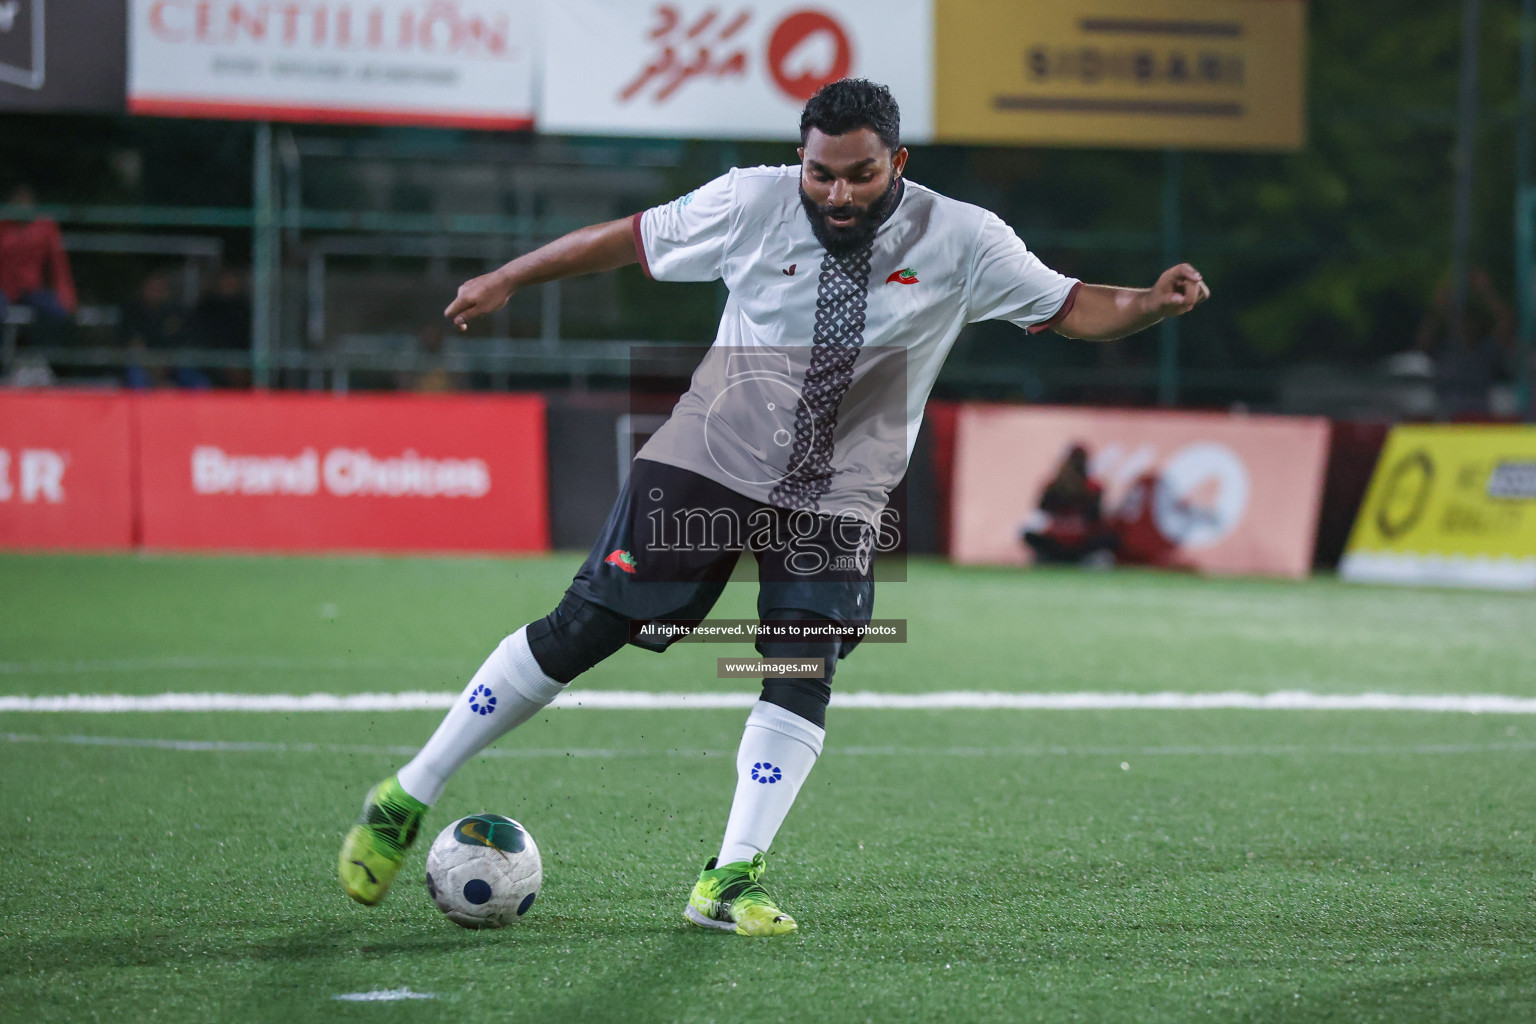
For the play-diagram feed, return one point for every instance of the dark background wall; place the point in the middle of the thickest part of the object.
(85, 63)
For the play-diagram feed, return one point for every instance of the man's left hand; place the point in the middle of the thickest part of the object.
(1179, 290)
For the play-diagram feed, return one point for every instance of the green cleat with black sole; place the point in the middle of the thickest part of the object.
(728, 898)
(375, 847)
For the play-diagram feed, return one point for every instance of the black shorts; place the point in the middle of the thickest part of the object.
(673, 538)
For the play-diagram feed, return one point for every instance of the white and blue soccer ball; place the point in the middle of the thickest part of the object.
(484, 871)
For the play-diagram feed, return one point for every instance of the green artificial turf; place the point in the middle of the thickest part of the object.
(944, 865)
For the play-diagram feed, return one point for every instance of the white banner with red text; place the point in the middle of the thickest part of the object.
(446, 63)
(726, 68)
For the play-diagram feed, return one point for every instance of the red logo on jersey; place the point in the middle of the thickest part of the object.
(623, 559)
(906, 275)
(791, 271)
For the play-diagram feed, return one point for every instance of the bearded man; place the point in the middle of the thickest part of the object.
(848, 286)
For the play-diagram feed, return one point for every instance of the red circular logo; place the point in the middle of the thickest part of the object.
(808, 50)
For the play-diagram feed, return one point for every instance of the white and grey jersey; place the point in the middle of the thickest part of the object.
(813, 391)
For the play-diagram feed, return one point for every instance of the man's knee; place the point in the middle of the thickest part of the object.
(575, 636)
(806, 696)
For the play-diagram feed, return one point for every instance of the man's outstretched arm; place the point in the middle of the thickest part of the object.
(585, 251)
(1104, 313)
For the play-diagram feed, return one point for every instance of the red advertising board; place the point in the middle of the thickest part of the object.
(1212, 492)
(65, 471)
(322, 473)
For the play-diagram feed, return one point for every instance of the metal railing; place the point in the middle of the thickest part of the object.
(576, 362)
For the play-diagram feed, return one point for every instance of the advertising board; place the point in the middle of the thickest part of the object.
(1199, 74)
(1449, 505)
(316, 473)
(1209, 492)
(461, 64)
(65, 471)
(62, 56)
(726, 68)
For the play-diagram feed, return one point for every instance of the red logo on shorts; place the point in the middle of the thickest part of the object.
(623, 559)
(906, 275)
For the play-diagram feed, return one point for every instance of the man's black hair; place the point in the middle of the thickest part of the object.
(850, 104)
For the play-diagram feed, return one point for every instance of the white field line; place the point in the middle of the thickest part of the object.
(264, 747)
(630, 700)
(382, 995)
(1115, 753)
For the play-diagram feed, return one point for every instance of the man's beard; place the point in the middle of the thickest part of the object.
(841, 242)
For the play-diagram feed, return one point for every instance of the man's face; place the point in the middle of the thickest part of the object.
(848, 186)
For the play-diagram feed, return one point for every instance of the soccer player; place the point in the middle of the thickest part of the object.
(848, 286)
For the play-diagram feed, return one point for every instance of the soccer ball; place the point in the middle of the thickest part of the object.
(484, 871)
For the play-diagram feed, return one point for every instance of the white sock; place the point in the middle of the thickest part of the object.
(509, 689)
(778, 750)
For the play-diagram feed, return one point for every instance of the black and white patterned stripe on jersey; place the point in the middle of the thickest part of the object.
(842, 301)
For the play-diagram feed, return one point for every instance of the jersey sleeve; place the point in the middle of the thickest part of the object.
(687, 239)
(1008, 282)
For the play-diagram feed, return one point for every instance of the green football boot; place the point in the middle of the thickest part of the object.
(729, 898)
(375, 847)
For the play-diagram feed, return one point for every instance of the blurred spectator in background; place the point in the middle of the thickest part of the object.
(222, 320)
(156, 322)
(1068, 528)
(1465, 373)
(34, 270)
(429, 374)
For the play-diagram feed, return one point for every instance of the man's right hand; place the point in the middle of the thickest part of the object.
(479, 296)
(585, 251)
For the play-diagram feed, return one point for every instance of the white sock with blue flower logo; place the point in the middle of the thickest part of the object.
(778, 750)
(509, 689)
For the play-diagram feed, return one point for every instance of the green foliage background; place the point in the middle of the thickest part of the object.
(1330, 254)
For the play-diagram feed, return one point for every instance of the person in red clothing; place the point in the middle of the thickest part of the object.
(34, 269)
(1068, 528)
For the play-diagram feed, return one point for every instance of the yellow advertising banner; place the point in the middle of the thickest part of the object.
(1449, 505)
(1196, 74)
